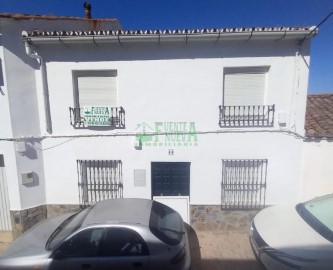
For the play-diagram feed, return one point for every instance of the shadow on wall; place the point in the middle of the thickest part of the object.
(29, 148)
(155, 51)
(35, 182)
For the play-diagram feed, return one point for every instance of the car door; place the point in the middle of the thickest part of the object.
(79, 252)
(123, 248)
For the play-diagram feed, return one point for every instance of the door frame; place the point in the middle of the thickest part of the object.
(172, 201)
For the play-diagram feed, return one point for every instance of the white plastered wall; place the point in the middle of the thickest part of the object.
(170, 84)
(317, 168)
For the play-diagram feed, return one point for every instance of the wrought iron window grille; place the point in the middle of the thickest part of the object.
(243, 183)
(99, 180)
(117, 118)
(247, 116)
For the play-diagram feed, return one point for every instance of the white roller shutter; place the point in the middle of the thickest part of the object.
(97, 91)
(244, 88)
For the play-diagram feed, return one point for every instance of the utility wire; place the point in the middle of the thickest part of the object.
(140, 134)
(320, 24)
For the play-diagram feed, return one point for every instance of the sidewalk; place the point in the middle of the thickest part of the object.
(5, 239)
(212, 250)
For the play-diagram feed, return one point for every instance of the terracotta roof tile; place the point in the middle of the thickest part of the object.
(319, 116)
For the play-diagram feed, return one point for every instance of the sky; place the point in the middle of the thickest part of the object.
(181, 14)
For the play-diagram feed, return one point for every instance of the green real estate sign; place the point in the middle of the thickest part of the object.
(159, 134)
(97, 116)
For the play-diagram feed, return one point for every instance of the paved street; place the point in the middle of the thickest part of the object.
(216, 251)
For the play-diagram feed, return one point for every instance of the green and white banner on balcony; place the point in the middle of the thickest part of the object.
(97, 116)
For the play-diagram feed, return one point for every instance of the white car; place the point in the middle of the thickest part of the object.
(295, 237)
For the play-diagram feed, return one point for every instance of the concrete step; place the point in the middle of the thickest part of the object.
(6, 236)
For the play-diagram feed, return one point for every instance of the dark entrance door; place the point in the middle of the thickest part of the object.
(170, 178)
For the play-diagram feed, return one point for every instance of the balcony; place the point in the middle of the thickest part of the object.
(247, 116)
(98, 117)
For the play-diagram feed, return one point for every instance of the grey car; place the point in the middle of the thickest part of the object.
(113, 234)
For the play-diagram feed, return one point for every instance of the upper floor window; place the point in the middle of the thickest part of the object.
(244, 94)
(96, 100)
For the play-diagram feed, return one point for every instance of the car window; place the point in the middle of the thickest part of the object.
(84, 244)
(166, 224)
(69, 226)
(322, 209)
(319, 215)
(123, 242)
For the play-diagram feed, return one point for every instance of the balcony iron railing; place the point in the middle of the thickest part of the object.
(247, 116)
(116, 118)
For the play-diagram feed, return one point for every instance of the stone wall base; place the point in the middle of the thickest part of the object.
(203, 218)
(23, 220)
(213, 218)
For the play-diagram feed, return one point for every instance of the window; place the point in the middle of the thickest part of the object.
(244, 86)
(244, 96)
(123, 242)
(243, 183)
(99, 180)
(83, 244)
(95, 88)
(96, 100)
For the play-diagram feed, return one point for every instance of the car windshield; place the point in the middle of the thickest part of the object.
(70, 225)
(318, 213)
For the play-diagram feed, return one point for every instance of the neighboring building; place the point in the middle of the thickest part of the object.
(206, 121)
(318, 146)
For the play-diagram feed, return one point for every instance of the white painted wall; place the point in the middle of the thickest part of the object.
(282, 152)
(177, 83)
(170, 82)
(7, 147)
(317, 169)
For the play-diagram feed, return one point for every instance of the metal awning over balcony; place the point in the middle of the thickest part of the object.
(247, 116)
(111, 117)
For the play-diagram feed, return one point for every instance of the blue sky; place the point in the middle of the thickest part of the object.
(180, 14)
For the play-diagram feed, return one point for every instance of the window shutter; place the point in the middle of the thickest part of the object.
(97, 91)
(244, 89)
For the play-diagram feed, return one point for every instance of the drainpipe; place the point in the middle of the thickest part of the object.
(42, 64)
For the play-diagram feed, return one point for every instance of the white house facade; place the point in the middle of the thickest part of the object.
(207, 121)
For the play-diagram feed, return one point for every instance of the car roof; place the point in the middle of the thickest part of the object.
(120, 211)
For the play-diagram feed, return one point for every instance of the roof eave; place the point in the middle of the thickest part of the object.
(222, 36)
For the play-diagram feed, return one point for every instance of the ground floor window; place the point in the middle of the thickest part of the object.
(99, 180)
(243, 183)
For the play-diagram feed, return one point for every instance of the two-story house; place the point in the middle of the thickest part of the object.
(208, 121)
